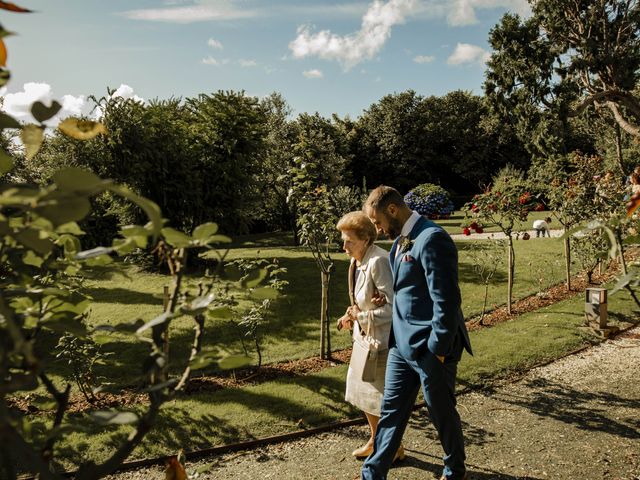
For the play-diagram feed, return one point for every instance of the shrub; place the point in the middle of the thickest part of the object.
(430, 200)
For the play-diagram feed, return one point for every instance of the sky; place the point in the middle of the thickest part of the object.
(331, 56)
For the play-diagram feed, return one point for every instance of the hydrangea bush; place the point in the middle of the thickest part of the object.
(430, 200)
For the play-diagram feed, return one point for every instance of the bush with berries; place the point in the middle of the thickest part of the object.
(430, 200)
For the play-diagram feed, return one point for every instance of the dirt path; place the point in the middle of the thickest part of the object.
(578, 417)
(500, 235)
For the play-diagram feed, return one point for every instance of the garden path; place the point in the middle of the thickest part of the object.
(499, 235)
(578, 417)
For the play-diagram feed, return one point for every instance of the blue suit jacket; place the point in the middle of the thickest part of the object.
(427, 311)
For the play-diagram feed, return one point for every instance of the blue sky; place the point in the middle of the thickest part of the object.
(327, 56)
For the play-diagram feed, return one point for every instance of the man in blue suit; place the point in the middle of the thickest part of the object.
(428, 334)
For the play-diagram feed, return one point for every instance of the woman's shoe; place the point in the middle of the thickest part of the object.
(364, 451)
(400, 455)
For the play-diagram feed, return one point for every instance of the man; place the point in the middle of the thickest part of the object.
(427, 336)
(542, 227)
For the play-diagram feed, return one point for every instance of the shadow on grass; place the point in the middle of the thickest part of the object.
(124, 295)
(180, 427)
(591, 411)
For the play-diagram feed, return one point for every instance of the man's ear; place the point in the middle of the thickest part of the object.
(392, 210)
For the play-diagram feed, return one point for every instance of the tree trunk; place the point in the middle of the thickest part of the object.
(323, 313)
(510, 270)
(567, 261)
(619, 149)
(326, 316)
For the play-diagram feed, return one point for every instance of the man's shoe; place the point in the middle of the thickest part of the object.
(363, 452)
(400, 455)
(465, 477)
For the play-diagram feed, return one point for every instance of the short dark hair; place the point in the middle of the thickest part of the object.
(381, 197)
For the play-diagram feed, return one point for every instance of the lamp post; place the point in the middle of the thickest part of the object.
(595, 306)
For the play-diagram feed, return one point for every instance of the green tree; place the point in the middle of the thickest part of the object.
(567, 57)
(506, 203)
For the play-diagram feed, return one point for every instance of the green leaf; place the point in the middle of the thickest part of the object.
(30, 238)
(198, 304)
(221, 313)
(5, 75)
(7, 121)
(32, 259)
(81, 129)
(203, 360)
(110, 417)
(78, 180)
(71, 227)
(66, 324)
(6, 162)
(264, 293)
(204, 231)
(32, 137)
(150, 208)
(42, 113)
(99, 261)
(161, 319)
(61, 208)
(254, 278)
(94, 252)
(175, 238)
(232, 362)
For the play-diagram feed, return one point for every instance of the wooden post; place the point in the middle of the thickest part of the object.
(509, 274)
(567, 261)
(165, 334)
(323, 313)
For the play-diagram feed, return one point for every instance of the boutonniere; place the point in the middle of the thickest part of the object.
(406, 245)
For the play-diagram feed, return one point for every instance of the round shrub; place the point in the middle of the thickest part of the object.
(430, 200)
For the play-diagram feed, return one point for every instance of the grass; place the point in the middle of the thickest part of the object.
(293, 330)
(226, 416)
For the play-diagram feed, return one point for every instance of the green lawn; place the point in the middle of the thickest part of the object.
(293, 330)
(203, 420)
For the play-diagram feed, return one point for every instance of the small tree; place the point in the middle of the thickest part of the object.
(505, 204)
(486, 259)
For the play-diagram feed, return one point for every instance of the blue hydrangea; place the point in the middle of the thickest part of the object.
(429, 200)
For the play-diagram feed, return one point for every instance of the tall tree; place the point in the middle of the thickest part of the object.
(569, 56)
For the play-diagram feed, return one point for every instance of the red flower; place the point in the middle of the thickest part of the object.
(524, 198)
(479, 230)
(474, 207)
(466, 231)
(474, 225)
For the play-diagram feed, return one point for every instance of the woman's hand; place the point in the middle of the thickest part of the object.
(344, 322)
(353, 312)
(378, 299)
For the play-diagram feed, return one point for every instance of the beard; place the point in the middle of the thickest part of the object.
(395, 227)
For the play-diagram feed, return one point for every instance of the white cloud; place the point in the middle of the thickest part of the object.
(18, 104)
(352, 49)
(466, 53)
(424, 58)
(463, 12)
(209, 60)
(126, 92)
(247, 63)
(213, 43)
(315, 73)
(199, 11)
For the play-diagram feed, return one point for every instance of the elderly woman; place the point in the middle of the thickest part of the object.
(371, 294)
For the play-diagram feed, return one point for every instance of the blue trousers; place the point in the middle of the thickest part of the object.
(402, 383)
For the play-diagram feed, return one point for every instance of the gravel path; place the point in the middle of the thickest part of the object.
(578, 417)
(500, 235)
